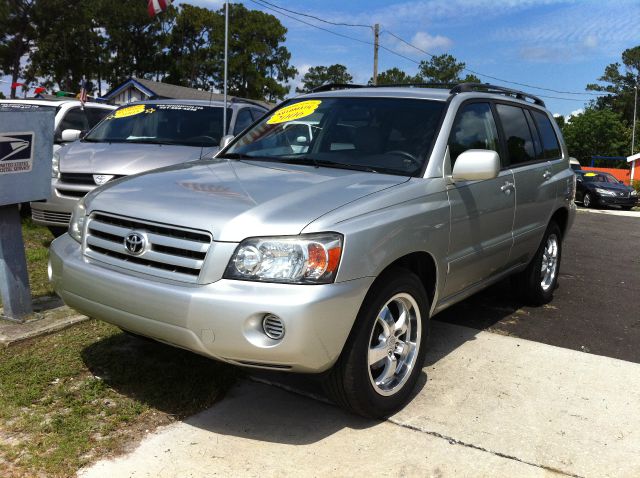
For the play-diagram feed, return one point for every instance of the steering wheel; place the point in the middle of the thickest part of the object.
(405, 155)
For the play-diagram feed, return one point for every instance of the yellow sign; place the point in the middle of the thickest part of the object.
(129, 111)
(590, 174)
(294, 112)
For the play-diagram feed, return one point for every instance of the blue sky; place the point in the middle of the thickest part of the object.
(556, 44)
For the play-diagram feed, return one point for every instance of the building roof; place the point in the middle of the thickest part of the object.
(156, 89)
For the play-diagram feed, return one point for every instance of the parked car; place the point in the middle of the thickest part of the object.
(595, 189)
(575, 164)
(333, 257)
(135, 138)
(70, 114)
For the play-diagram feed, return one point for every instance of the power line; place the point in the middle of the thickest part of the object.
(318, 18)
(489, 76)
(277, 9)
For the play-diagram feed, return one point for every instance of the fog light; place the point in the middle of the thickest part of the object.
(273, 326)
(49, 270)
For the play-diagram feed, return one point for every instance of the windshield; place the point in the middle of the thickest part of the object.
(184, 124)
(599, 178)
(389, 135)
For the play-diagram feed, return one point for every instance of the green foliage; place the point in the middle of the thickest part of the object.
(17, 35)
(322, 75)
(444, 69)
(596, 132)
(620, 85)
(395, 76)
(560, 121)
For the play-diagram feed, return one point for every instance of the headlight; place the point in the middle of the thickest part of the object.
(307, 259)
(634, 193)
(605, 192)
(55, 165)
(76, 226)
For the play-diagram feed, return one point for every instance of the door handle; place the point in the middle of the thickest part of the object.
(546, 174)
(507, 187)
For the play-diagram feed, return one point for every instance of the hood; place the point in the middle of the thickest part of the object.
(236, 199)
(123, 159)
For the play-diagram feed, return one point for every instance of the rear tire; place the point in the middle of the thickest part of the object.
(382, 359)
(535, 285)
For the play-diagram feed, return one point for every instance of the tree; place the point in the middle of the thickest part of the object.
(16, 36)
(134, 44)
(620, 85)
(395, 76)
(322, 75)
(560, 121)
(190, 47)
(444, 69)
(596, 133)
(258, 62)
(66, 44)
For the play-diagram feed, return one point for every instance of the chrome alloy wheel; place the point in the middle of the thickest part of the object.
(394, 343)
(549, 262)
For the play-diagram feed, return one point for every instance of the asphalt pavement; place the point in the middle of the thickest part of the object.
(596, 307)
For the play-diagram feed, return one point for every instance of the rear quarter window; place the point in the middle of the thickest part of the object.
(518, 138)
(551, 147)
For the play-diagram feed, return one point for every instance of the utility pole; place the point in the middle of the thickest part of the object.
(633, 131)
(376, 37)
(226, 65)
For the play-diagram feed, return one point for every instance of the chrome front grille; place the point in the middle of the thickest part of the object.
(77, 185)
(170, 252)
(51, 216)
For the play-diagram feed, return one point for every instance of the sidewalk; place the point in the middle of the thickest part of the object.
(492, 406)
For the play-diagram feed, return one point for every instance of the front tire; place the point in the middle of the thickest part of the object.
(382, 359)
(535, 285)
(587, 201)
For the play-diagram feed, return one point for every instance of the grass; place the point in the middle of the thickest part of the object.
(89, 391)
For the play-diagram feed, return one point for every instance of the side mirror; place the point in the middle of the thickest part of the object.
(225, 140)
(476, 165)
(70, 135)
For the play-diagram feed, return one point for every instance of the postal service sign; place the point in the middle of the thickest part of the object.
(16, 152)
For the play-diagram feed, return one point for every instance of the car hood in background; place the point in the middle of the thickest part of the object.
(122, 159)
(236, 199)
(611, 186)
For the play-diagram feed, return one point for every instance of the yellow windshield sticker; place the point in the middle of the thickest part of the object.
(129, 111)
(590, 174)
(294, 112)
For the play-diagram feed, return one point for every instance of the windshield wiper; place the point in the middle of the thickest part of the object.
(327, 164)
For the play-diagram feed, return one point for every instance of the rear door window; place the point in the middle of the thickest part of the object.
(518, 138)
(74, 119)
(549, 139)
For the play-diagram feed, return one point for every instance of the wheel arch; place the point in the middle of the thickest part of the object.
(422, 264)
(561, 218)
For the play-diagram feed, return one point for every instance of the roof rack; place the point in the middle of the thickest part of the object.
(335, 86)
(499, 90)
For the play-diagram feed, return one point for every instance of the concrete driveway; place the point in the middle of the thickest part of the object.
(488, 404)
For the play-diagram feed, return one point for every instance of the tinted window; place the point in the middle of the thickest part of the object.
(95, 115)
(390, 135)
(243, 120)
(74, 119)
(549, 138)
(517, 134)
(257, 113)
(537, 144)
(474, 128)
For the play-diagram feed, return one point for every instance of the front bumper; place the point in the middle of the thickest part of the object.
(56, 211)
(222, 320)
(616, 200)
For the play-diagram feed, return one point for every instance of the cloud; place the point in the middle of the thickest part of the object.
(425, 42)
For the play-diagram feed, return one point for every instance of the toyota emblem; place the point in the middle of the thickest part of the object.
(135, 243)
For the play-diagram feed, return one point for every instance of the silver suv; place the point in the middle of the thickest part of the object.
(330, 249)
(136, 137)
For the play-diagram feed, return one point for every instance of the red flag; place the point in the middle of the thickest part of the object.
(154, 7)
(16, 84)
(39, 89)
